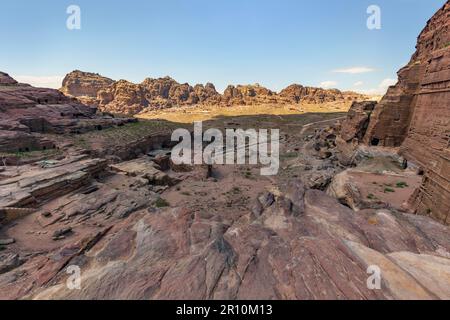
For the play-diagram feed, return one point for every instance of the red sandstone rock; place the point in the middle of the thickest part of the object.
(352, 130)
(415, 114)
(355, 125)
(129, 98)
(26, 110)
(303, 245)
(5, 79)
(84, 84)
(122, 97)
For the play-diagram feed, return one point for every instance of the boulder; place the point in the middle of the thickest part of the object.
(144, 168)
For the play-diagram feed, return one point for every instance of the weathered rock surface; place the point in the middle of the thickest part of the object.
(426, 269)
(122, 97)
(84, 84)
(6, 80)
(21, 142)
(416, 86)
(144, 168)
(357, 121)
(284, 243)
(32, 186)
(296, 93)
(303, 245)
(9, 261)
(287, 242)
(128, 98)
(26, 111)
(352, 131)
(369, 186)
(415, 116)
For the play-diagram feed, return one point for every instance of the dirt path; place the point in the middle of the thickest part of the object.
(309, 125)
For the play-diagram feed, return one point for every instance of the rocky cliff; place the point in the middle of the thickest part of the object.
(129, 98)
(27, 112)
(84, 84)
(415, 116)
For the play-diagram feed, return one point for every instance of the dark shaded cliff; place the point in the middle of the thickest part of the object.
(415, 116)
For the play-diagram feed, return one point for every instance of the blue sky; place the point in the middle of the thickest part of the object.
(274, 43)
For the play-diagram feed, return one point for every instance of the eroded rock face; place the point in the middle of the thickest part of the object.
(248, 95)
(23, 142)
(122, 97)
(207, 93)
(419, 83)
(301, 245)
(28, 189)
(371, 185)
(128, 98)
(5, 79)
(357, 121)
(26, 112)
(283, 242)
(415, 115)
(84, 84)
(297, 93)
(353, 130)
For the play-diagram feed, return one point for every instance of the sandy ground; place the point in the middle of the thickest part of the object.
(190, 114)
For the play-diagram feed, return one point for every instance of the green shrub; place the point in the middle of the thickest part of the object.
(236, 190)
(161, 203)
(402, 184)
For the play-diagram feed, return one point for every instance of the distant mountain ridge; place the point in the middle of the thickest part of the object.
(152, 94)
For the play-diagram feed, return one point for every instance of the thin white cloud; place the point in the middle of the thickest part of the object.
(354, 70)
(381, 89)
(328, 84)
(370, 92)
(41, 81)
(358, 84)
(386, 83)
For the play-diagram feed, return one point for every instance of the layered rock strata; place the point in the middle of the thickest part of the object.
(129, 98)
(26, 112)
(415, 116)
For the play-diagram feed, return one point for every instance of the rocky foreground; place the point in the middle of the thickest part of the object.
(147, 229)
(353, 195)
(124, 97)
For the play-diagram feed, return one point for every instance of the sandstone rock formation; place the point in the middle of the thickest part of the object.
(84, 84)
(296, 93)
(301, 245)
(313, 232)
(286, 242)
(357, 121)
(26, 112)
(122, 97)
(415, 116)
(29, 189)
(248, 95)
(6, 80)
(353, 130)
(128, 98)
